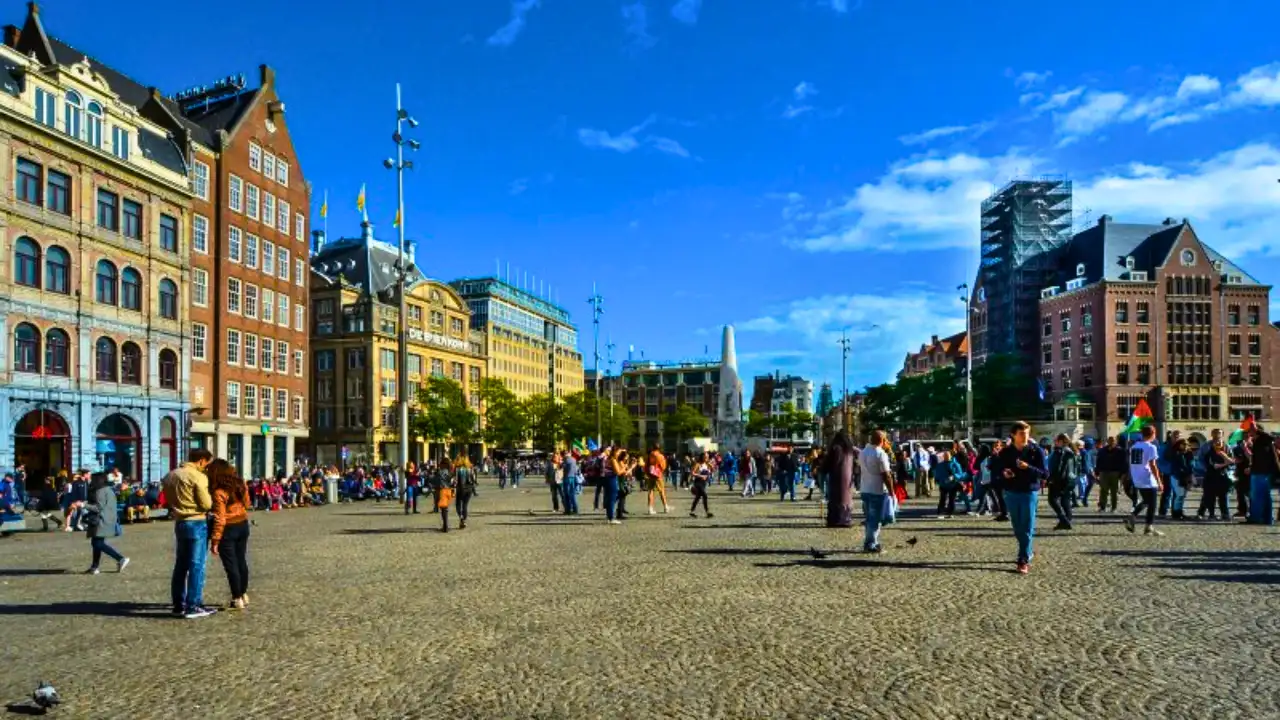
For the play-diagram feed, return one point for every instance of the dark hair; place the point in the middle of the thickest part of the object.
(1018, 427)
(222, 475)
(97, 482)
(199, 455)
(842, 441)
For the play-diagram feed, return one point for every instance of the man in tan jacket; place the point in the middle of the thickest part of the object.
(186, 494)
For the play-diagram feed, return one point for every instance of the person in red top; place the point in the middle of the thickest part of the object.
(656, 471)
(413, 482)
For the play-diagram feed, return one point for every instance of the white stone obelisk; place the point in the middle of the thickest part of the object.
(730, 431)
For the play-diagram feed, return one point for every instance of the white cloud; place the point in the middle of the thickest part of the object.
(924, 203)
(797, 107)
(668, 146)
(1097, 110)
(795, 111)
(635, 18)
(1232, 198)
(630, 139)
(1260, 86)
(1193, 85)
(928, 136)
(518, 186)
(840, 6)
(1058, 100)
(508, 33)
(686, 11)
(804, 90)
(904, 319)
(1031, 79)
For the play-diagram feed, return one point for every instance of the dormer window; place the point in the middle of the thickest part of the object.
(1128, 263)
(1138, 276)
(1080, 270)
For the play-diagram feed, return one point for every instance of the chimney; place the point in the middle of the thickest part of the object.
(266, 76)
(935, 339)
(1103, 220)
(317, 241)
(1170, 221)
(12, 33)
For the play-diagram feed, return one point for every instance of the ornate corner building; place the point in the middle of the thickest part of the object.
(119, 219)
(94, 266)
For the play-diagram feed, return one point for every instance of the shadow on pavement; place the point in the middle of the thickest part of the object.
(24, 708)
(813, 525)
(971, 565)
(104, 609)
(751, 551)
(1231, 566)
(32, 571)
(387, 531)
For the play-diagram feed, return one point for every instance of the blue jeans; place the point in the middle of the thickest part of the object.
(187, 587)
(786, 484)
(610, 495)
(100, 547)
(731, 477)
(1260, 499)
(1179, 495)
(569, 496)
(873, 510)
(1021, 507)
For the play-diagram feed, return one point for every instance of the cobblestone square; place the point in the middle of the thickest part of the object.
(360, 612)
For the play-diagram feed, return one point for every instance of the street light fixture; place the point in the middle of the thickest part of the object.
(403, 265)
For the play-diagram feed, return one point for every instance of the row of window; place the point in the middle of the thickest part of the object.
(255, 253)
(263, 353)
(1254, 317)
(272, 168)
(51, 189)
(52, 273)
(245, 401)
(256, 303)
(262, 206)
(81, 120)
(111, 364)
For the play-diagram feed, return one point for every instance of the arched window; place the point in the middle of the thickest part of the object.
(26, 262)
(26, 348)
(57, 270)
(105, 360)
(106, 283)
(131, 289)
(57, 349)
(168, 370)
(168, 299)
(130, 364)
(73, 114)
(94, 134)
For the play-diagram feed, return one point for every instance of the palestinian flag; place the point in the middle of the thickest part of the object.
(1238, 435)
(1142, 417)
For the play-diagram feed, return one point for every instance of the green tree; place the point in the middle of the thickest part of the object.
(1003, 391)
(579, 419)
(443, 413)
(546, 420)
(757, 423)
(505, 421)
(684, 422)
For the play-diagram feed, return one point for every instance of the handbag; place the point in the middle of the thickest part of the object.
(445, 498)
(889, 513)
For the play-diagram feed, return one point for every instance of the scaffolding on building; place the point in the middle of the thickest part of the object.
(1024, 224)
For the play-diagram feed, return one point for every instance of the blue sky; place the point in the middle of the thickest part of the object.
(790, 166)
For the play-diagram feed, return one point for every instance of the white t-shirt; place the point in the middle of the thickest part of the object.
(875, 468)
(1141, 454)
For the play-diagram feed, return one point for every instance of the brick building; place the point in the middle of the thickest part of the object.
(938, 353)
(1150, 312)
(250, 273)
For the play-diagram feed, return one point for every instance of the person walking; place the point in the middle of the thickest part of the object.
(613, 472)
(554, 474)
(698, 481)
(837, 465)
(1265, 467)
(569, 485)
(1144, 471)
(1182, 470)
(1111, 467)
(656, 472)
(1021, 466)
(102, 519)
(186, 493)
(1242, 453)
(229, 529)
(443, 492)
(464, 482)
(1165, 463)
(786, 471)
(947, 475)
(877, 486)
(412, 487)
(1216, 483)
(920, 462)
(1064, 475)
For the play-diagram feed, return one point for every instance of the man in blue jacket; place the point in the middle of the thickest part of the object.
(1021, 466)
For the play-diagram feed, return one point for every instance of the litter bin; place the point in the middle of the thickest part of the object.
(331, 490)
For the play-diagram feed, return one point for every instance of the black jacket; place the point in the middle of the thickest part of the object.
(1024, 479)
(1064, 468)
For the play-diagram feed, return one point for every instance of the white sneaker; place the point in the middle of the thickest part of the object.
(652, 511)
(615, 522)
(120, 566)
(1152, 531)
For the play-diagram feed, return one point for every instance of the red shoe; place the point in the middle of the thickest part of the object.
(1023, 568)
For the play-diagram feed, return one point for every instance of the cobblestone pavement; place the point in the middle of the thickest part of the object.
(360, 612)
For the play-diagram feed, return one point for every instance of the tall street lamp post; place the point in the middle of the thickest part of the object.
(399, 165)
(968, 355)
(597, 309)
(844, 379)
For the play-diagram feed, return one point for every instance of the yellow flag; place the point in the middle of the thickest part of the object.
(397, 221)
(324, 206)
(360, 199)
